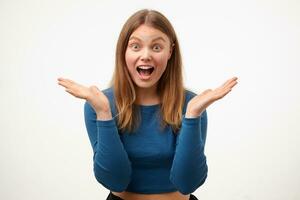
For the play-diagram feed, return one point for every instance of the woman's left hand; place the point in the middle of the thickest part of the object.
(200, 102)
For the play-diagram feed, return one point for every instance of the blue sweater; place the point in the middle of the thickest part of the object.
(150, 160)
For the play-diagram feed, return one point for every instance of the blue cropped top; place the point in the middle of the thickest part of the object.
(150, 160)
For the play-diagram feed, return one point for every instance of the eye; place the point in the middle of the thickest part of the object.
(134, 46)
(157, 47)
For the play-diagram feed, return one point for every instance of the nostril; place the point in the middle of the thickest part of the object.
(145, 58)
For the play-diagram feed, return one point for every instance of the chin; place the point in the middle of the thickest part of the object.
(145, 85)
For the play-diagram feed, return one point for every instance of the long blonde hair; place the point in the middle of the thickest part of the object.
(170, 86)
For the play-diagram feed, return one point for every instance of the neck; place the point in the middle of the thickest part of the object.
(147, 96)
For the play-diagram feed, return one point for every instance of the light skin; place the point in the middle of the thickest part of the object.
(151, 47)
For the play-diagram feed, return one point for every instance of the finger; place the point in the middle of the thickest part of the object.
(68, 83)
(65, 80)
(69, 80)
(64, 84)
(231, 85)
(223, 90)
(69, 91)
(234, 78)
(60, 79)
(74, 94)
(226, 82)
(226, 87)
(223, 93)
(229, 81)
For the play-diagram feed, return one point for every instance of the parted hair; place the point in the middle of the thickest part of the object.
(170, 86)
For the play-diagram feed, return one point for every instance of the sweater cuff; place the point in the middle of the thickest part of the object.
(190, 121)
(106, 123)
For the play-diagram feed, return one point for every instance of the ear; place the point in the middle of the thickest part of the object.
(171, 51)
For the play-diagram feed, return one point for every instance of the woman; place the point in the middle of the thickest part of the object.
(147, 131)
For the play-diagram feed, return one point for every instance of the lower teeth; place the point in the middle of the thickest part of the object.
(145, 72)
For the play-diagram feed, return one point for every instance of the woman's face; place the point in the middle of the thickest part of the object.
(147, 55)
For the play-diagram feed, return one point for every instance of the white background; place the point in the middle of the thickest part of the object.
(253, 133)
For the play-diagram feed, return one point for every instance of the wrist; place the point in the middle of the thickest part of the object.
(104, 115)
(192, 113)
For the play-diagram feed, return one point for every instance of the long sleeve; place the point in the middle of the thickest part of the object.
(112, 167)
(189, 168)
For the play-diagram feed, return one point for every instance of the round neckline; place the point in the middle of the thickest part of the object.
(148, 107)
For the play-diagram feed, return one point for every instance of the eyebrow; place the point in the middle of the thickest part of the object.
(136, 38)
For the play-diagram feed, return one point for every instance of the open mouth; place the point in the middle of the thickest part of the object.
(145, 70)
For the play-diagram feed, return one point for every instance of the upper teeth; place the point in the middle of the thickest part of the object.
(145, 67)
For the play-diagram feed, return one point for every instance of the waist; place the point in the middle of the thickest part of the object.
(150, 181)
(163, 196)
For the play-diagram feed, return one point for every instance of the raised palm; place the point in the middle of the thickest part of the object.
(200, 102)
(92, 94)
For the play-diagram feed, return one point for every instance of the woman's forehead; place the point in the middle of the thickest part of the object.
(148, 33)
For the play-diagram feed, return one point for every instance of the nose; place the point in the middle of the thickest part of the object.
(146, 55)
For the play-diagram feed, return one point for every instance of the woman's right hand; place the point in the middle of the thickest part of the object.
(92, 94)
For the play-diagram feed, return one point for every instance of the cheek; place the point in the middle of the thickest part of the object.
(163, 60)
(129, 59)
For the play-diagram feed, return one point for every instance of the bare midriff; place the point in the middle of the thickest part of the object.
(162, 196)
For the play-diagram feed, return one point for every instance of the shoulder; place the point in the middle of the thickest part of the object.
(109, 92)
(189, 95)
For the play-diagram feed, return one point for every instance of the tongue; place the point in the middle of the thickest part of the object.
(145, 72)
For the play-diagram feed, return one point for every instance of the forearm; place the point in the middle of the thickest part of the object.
(189, 169)
(112, 167)
(111, 163)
